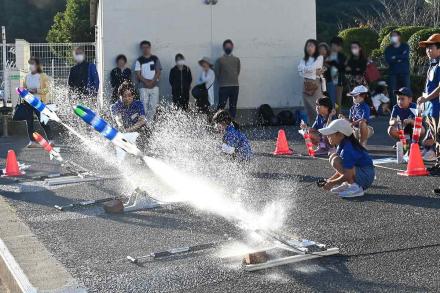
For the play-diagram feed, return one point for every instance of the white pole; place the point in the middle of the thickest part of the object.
(53, 69)
(5, 68)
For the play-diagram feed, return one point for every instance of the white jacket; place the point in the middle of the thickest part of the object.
(308, 69)
(208, 78)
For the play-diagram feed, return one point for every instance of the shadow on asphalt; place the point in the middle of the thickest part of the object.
(285, 176)
(336, 277)
(406, 200)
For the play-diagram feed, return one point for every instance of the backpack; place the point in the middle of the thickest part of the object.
(265, 115)
(372, 74)
(286, 117)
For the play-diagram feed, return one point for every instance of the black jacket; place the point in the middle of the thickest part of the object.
(117, 77)
(358, 66)
(340, 65)
(180, 81)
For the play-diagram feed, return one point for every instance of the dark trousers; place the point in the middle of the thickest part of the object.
(231, 93)
(181, 102)
(395, 82)
(30, 123)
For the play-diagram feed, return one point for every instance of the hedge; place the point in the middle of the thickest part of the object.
(366, 36)
(406, 31)
(417, 55)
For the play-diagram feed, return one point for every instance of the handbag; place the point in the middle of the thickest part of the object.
(22, 111)
(199, 91)
(310, 87)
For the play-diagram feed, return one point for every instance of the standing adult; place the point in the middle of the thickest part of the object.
(180, 80)
(148, 70)
(37, 83)
(356, 65)
(397, 57)
(227, 70)
(326, 79)
(206, 80)
(83, 77)
(120, 74)
(310, 68)
(336, 64)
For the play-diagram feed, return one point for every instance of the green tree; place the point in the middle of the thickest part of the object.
(30, 19)
(72, 25)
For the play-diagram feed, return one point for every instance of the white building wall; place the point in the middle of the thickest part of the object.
(269, 37)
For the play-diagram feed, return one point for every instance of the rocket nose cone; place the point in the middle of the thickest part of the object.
(21, 91)
(37, 136)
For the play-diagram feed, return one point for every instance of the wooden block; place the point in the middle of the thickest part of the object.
(114, 207)
(255, 258)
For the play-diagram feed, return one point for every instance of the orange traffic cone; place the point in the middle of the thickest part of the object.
(282, 147)
(12, 169)
(415, 167)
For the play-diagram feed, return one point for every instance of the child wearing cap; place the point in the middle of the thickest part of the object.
(431, 97)
(235, 143)
(359, 115)
(325, 113)
(354, 169)
(403, 114)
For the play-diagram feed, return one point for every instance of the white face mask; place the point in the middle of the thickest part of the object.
(394, 39)
(180, 62)
(79, 58)
(355, 52)
(32, 67)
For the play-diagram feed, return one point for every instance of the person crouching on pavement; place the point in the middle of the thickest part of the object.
(403, 115)
(325, 114)
(235, 143)
(354, 169)
(359, 115)
(129, 114)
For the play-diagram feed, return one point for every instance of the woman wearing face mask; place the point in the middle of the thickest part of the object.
(311, 68)
(180, 81)
(119, 75)
(37, 83)
(356, 65)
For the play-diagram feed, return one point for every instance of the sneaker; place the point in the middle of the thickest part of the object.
(429, 156)
(353, 190)
(322, 151)
(340, 188)
(434, 170)
(33, 145)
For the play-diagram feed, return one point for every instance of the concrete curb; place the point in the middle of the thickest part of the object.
(11, 273)
(25, 264)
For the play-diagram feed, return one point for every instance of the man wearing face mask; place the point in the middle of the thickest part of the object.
(180, 80)
(397, 57)
(227, 70)
(83, 78)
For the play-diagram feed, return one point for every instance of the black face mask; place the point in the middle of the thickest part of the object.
(228, 51)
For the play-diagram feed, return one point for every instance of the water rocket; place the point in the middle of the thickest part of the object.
(47, 112)
(53, 152)
(125, 142)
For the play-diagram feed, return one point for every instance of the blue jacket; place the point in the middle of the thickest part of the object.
(398, 59)
(234, 138)
(93, 80)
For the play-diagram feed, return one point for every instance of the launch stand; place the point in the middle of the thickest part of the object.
(285, 250)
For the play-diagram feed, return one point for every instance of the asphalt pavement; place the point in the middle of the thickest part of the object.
(388, 239)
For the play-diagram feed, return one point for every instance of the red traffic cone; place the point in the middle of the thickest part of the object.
(282, 147)
(415, 167)
(12, 169)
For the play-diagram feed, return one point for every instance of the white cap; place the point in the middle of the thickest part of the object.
(360, 89)
(338, 125)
